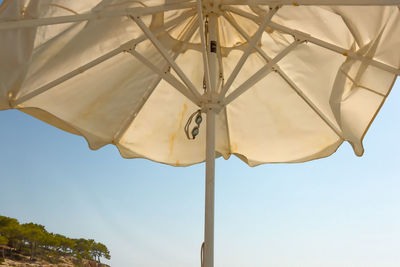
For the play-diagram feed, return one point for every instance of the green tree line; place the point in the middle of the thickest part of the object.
(34, 241)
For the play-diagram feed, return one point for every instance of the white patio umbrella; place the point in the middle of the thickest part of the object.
(278, 80)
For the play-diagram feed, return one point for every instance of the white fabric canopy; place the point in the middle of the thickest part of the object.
(327, 88)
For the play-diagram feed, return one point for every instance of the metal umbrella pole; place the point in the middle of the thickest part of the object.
(210, 145)
(210, 190)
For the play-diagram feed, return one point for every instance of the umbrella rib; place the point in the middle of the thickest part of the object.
(168, 77)
(286, 78)
(261, 73)
(136, 11)
(221, 80)
(153, 86)
(336, 48)
(245, 55)
(314, 2)
(316, 41)
(228, 135)
(204, 46)
(221, 84)
(303, 96)
(364, 64)
(124, 47)
(242, 13)
(167, 57)
(144, 99)
(71, 74)
(356, 84)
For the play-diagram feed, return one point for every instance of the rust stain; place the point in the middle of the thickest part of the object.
(171, 144)
(181, 115)
(173, 136)
(324, 142)
(96, 104)
(234, 148)
(177, 163)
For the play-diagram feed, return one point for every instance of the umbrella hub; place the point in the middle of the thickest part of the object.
(209, 6)
(211, 102)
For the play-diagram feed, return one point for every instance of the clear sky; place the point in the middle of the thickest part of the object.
(338, 211)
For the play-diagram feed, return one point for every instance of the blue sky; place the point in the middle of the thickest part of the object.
(338, 211)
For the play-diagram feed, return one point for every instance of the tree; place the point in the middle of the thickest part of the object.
(3, 241)
(63, 244)
(82, 248)
(50, 241)
(7, 221)
(33, 234)
(11, 230)
(33, 239)
(101, 250)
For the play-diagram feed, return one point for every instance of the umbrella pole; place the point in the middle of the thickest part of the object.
(208, 259)
(210, 193)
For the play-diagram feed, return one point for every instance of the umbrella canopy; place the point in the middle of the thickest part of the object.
(280, 81)
(98, 74)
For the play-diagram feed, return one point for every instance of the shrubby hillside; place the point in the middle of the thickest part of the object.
(31, 242)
